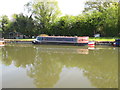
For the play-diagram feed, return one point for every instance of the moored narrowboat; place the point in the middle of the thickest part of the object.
(59, 40)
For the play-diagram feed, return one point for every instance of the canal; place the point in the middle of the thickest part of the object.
(52, 66)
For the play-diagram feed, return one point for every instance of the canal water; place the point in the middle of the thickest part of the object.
(51, 66)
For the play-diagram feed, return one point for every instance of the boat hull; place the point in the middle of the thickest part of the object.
(57, 43)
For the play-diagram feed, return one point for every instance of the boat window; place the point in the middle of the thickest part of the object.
(39, 38)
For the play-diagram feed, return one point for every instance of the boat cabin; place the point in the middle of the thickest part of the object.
(61, 40)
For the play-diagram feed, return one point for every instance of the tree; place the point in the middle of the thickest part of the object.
(45, 12)
(24, 24)
(104, 16)
(4, 21)
(98, 5)
(112, 21)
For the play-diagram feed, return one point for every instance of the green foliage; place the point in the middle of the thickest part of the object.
(4, 21)
(106, 13)
(98, 5)
(97, 17)
(23, 24)
(45, 13)
(88, 24)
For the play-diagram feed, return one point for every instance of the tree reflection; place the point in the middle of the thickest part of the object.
(45, 70)
(6, 59)
(19, 55)
(104, 72)
(0, 54)
(98, 66)
(45, 65)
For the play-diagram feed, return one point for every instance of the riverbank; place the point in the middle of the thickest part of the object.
(18, 40)
(98, 41)
(90, 39)
(13, 40)
(103, 38)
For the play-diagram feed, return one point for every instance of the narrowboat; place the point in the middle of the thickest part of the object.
(60, 40)
(117, 43)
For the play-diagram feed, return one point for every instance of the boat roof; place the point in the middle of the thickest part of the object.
(64, 36)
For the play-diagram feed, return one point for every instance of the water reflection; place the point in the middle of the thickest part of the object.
(46, 63)
(0, 68)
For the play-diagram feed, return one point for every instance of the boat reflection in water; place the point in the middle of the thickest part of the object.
(63, 50)
(59, 66)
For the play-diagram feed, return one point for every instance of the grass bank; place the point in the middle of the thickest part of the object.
(19, 39)
(103, 38)
(90, 39)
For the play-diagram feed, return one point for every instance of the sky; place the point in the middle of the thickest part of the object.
(10, 7)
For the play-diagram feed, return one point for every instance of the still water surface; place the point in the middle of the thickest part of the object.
(45, 66)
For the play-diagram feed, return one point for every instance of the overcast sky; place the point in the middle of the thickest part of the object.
(9, 7)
